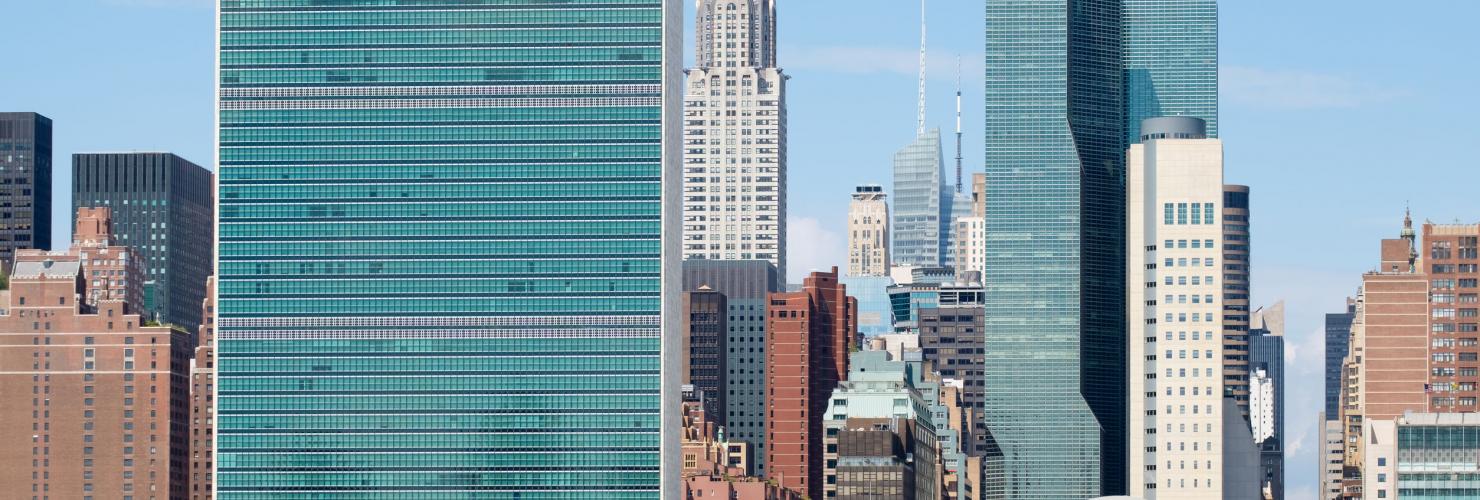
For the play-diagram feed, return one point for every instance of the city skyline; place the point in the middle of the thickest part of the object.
(1282, 176)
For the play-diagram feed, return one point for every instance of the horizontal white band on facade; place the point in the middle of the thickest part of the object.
(440, 321)
(512, 333)
(533, 102)
(484, 90)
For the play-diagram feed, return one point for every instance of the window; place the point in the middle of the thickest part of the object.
(1181, 213)
(1166, 215)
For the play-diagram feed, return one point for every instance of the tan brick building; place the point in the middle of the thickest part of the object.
(203, 401)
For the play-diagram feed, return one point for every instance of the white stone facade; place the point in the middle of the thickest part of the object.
(1174, 231)
(735, 137)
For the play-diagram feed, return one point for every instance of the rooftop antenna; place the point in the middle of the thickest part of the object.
(958, 123)
(920, 124)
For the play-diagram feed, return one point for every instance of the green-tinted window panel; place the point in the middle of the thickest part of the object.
(334, 363)
(430, 267)
(443, 153)
(512, 37)
(228, 5)
(516, 305)
(449, 422)
(393, 286)
(391, 248)
(438, 229)
(437, 17)
(509, 460)
(351, 57)
(494, 74)
(439, 134)
(441, 191)
(433, 114)
(432, 173)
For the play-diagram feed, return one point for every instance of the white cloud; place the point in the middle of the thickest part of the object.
(811, 246)
(871, 60)
(1298, 89)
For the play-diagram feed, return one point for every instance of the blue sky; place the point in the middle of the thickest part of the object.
(1337, 113)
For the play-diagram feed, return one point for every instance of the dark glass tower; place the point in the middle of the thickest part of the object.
(161, 205)
(1055, 278)
(448, 249)
(25, 183)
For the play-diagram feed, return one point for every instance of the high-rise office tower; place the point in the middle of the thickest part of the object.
(808, 334)
(1175, 188)
(735, 136)
(95, 402)
(922, 200)
(1236, 270)
(161, 207)
(449, 240)
(25, 154)
(1055, 237)
(203, 401)
(868, 232)
(922, 204)
(704, 349)
(1171, 61)
(746, 285)
(1452, 262)
(1338, 335)
(1267, 360)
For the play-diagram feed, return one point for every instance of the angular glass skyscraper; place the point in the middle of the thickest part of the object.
(448, 249)
(1171, 61)
(1055, 256)
(922, 217)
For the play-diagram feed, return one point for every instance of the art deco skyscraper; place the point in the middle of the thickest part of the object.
(868, 232)
(448, 248)
(735, 136)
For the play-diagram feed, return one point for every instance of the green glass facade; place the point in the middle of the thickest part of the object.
(1171, 62)
(1055, 288)
(442, 230)
(1439, 461)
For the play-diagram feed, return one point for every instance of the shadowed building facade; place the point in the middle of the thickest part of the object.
(25, 201)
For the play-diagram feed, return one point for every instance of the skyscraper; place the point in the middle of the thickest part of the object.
(808, 334)
(449, 240)
(1236, 271)
(1175, 183)
(746, 285)
(95, 402)
(1055, 261)
(704, 351)
(25, 155)
(161, 207)
(1267, 359)
(868, 232)
(1171, 61)
(1338, 336)
(922, 204)
(735, 136)
(1452, 261)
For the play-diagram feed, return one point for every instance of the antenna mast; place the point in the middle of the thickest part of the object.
(920, 124)
(958, 123)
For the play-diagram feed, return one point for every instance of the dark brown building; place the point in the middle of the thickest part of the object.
(25, 174)
(95, 403)
(808, 334)
(704, 338)
(1450, 257)
(203, 401)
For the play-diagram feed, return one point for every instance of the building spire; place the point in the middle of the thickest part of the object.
(958, 123)
(920, 122)
(1410, 236)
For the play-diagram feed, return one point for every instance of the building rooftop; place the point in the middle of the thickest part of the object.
(48, 268)
(1437, 419)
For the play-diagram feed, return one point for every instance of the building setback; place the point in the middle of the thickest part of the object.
(1267, 360)
(449, 240)
(25, 199)
(808, 334)
(704, 341)
(735, 136)
(203, 401)
(95, 401)
(161, 207)
(746, 285)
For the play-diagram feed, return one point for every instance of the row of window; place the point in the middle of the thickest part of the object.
(289, 57)
(1201, 213)
(440, 133)
(230, 19)
(586, 268)
(593, 36)
(402, 306)
(566, 208)
(431, 115)
(536, 229)
(568, 152)
(637, 247)
(633, 438)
